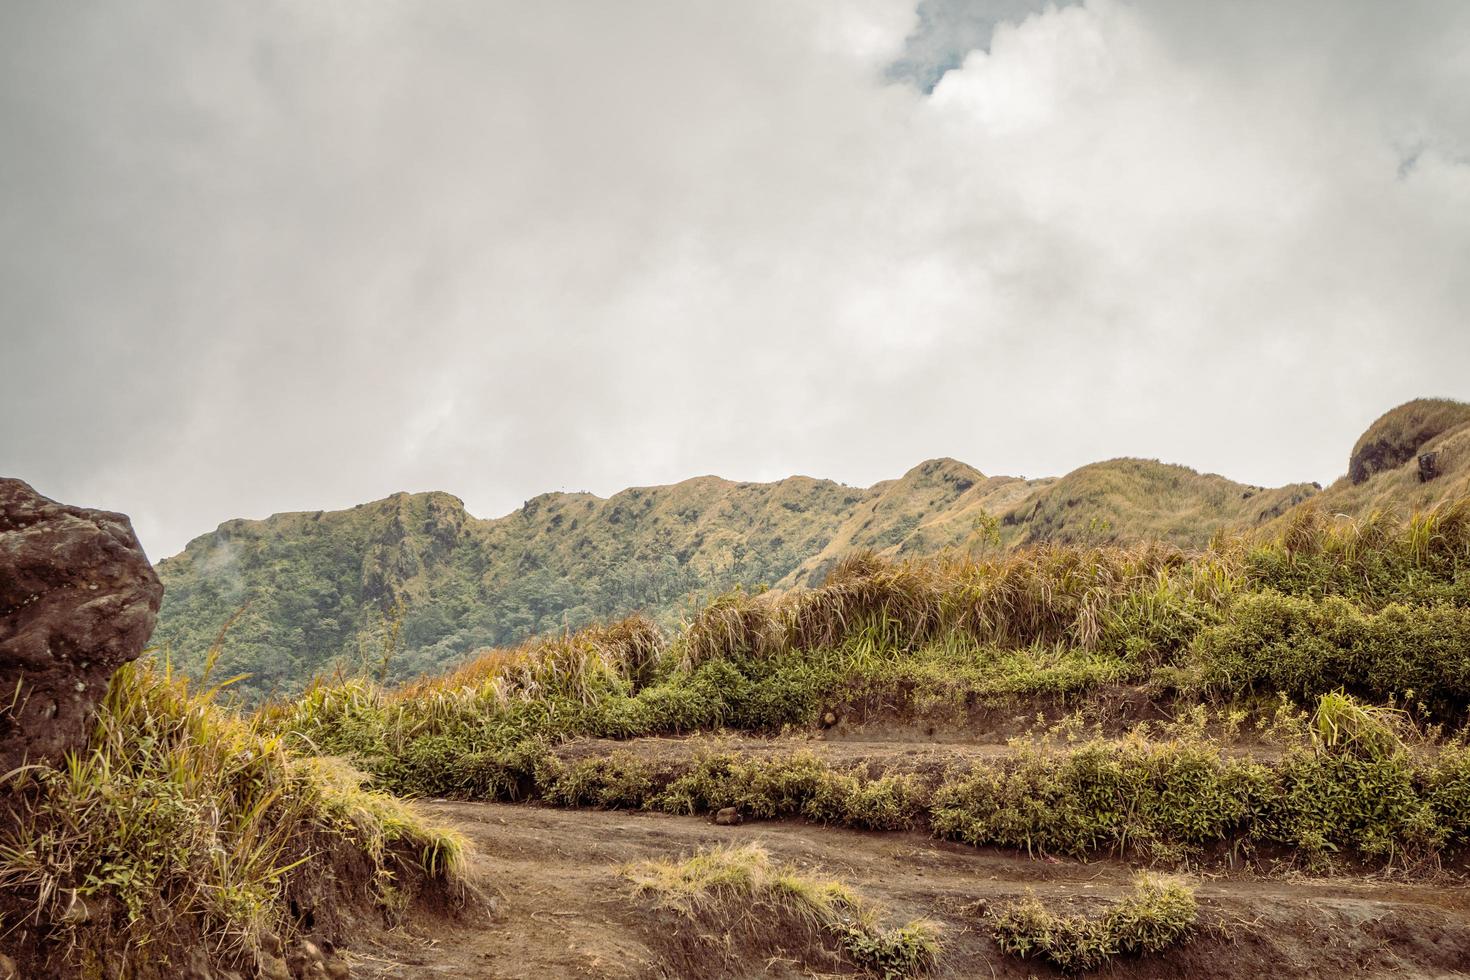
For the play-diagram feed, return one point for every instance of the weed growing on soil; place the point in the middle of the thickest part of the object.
(186, 826)
(1157, 915)
(787, 910)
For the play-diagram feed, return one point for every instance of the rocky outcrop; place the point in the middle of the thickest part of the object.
(1399, 435)
(78, 598)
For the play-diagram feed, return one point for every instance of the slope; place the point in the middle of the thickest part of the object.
(412, 583)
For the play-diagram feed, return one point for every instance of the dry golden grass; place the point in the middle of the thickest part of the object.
(585, 662)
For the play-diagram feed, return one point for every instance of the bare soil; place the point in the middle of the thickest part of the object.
(558, 906)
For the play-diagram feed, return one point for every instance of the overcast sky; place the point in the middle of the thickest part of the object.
(279, 256)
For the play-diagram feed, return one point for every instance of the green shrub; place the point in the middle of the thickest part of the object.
(797, 785)
(1343, 803)
(1447, 787)
(1307, 647)
(896, 801)
(1165, 798)
(1154, 917)
(614, 782)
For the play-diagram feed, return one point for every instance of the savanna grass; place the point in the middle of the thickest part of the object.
(1157, 914)
(741, 890)
(185, 826)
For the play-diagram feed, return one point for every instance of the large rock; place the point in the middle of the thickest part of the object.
(78, 599)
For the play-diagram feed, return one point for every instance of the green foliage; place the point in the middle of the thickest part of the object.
(1447, 788)
(1325, 804)
(1157, 915)
(904, 951)
(615, 782)
(742, 884)
(1373, 561)
(1363, 797)
(796, 785)
(1308, 647)
(184, 825)
(1165, 799)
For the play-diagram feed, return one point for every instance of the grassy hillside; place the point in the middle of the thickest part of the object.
(406, 585)
(1125, 500)
(1383, 471)
(416, 581)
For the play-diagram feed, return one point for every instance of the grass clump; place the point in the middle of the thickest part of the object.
(799, 785)
(1158, 914)
(185, 826)
(772, 907)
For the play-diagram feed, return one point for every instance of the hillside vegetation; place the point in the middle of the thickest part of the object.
(1340, 638)
(1383, 471)
(1295, 698)
(187, 838)
(412, 583)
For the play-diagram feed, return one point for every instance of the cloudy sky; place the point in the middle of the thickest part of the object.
(274, 256)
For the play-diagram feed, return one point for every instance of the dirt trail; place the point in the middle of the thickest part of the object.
(560, 908)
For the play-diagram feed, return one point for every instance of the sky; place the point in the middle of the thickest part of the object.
(291, 256)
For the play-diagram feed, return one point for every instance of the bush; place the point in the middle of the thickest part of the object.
(1163, 799)
(1154, 917)
(1342, 802)
(1309, 647)
(740, 890)
(614, 782)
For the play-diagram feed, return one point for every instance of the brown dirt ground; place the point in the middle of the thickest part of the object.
(558, 907)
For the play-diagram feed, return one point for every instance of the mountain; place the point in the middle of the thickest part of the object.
(416, 582)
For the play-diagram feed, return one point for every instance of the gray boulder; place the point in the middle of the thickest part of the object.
(78, 599)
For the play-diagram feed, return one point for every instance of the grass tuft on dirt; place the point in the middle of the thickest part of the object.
(776, 908)
(1157, 915)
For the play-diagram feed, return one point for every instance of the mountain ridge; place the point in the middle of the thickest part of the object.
(416, 582)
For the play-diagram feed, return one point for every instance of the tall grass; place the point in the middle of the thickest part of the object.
(742, 893)
(1048, 595)
(185, 826)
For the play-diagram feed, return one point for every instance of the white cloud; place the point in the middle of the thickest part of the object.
(298, 256)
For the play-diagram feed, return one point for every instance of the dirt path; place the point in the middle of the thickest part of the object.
(560, 908)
